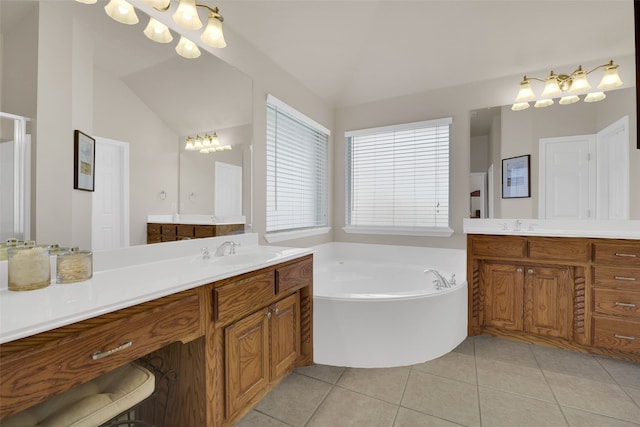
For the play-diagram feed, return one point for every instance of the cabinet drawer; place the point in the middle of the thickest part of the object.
(616, 334)
(244, 295)
(204, 231)
(185, 230)
(499, 246)
(565, 249)
(617, 254)
(294, 276)
(619, 277)
(153, 229)
(227, 229)
(46, 366)
(169, 230)
(617, 302)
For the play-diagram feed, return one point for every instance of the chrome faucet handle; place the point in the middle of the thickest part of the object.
(205, 253)
(452, 281)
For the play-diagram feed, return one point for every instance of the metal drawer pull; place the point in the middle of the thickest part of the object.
(629, 279)
(626, 255)
(624, 337)
(623, 304)
(100, 354)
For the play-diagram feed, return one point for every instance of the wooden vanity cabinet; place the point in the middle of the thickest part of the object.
(157, 232)
(577, 293)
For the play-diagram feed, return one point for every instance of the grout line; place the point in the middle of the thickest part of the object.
(622, 386)
(475, 365)
(553, 393)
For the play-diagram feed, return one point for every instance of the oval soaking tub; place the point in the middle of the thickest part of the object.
(375, 306)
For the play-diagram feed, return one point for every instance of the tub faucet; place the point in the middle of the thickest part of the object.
(441, 281)
(230, 245)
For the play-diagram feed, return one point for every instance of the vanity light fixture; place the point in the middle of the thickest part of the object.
(122, 11)
(205, 144)
(568, 87)
(186, 15)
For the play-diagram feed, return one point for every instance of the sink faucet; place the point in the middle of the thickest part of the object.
(441, 281)
(205, 253)
(228, 244)
(517, 225)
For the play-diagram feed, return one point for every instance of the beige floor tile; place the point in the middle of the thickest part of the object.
(409, 418)
(634, 392)
(383, 383)
(624, 372)
(499, 409)
(256, 419)
(326, 373)
(347, 408)
(505, 351)
(513, 379)
(466, 347)
(454, 365)
(295, 399)
(593, 396)
(452, 400)
(570, 363)
(578, 418)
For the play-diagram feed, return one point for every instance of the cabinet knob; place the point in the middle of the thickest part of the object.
(268, 314)
(530, 271)
(519, 270)
(276, 310)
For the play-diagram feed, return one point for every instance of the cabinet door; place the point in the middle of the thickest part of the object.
(285, 335)
(246, 359)
(548, 301)
(503, 302)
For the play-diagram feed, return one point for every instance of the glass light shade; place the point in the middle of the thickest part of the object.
(212, 35)
(610, 78)
(187, 49)
(189, 145)
(206, 141)
(227, 148)
(551, 87)
(158, 4)
(158, 32)
(543, 103)
(214, 139)
(187, 15)
(520, 106)
(121, 11)
(526, 93)
(205, 151)
(595, 97)
(579, 82)
(569, 99)
(197, 144)
(87, 1)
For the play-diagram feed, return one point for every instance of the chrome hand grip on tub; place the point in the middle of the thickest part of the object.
(624, 337)
(624, 304)
(100, 354)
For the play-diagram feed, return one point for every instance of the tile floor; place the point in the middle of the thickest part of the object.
(486, 381)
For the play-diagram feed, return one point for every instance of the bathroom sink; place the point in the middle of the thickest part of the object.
(248, 258)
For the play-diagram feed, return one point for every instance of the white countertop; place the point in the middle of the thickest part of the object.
(126, 277)
(195, 219)
(608, 229)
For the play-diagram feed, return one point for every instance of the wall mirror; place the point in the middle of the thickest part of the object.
(498, 133)
(183, 97)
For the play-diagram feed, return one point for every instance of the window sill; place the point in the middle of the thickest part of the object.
(401, 231)
(281, 236)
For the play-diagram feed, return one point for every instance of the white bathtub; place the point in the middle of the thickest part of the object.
(375, 307)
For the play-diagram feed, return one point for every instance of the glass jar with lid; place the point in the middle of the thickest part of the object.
(74, 266)
(4, 248)
(29, 267)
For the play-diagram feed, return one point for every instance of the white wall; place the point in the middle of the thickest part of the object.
(479, 161)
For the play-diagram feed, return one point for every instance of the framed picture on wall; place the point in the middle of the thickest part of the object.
(516, 177)
(84, 161)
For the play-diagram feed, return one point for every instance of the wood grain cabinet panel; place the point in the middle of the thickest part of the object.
(504, 295)
(616, 302)
(30, 376)
(617, 277)
(548, 302)
(499, 246)
(552, 249)
(285, 335)
(617, 334)
(624, 254)
(243, 296)
(294, 276)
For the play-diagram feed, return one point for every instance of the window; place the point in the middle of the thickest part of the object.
(297, 162)
(398, 179)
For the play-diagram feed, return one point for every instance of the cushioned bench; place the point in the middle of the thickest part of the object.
(90, 404)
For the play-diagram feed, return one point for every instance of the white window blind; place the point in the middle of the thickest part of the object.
(398, 176)
(297, 169)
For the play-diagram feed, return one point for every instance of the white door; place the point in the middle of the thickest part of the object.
(613, 170)
(110, 221)
(567, 178)
(227, 191)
